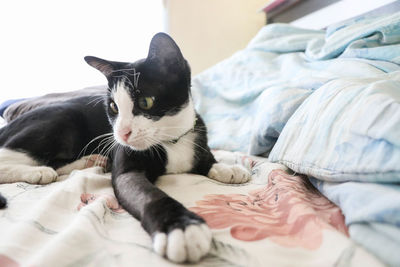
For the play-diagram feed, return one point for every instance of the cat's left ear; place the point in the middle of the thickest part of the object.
(165, 53)
(104, 66)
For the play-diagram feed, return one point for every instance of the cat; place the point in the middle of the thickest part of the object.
(149, 120)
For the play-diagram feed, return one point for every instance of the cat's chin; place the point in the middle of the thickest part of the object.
(138, 146)
(141, 148)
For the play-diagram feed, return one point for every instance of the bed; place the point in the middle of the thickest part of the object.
(319, 108)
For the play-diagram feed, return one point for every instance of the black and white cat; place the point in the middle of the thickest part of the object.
(149, 115)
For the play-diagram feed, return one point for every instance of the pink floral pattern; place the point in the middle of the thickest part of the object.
(6, 261)
(111, 201)
(289, 211)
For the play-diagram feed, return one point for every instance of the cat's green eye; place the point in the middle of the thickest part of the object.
(146, 103)
(114, 107)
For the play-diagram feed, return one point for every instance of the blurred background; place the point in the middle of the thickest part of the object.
(43, 42)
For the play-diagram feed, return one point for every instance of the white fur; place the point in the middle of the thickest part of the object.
(180, 155)
(230, 174)
(160, 243)
(124, 120)
(20, 167)
(180, 245)
(17, 166)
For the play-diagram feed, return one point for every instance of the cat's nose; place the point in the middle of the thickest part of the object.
(125, 133)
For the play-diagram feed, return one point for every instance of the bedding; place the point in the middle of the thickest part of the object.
(324, 104)
(278, 219)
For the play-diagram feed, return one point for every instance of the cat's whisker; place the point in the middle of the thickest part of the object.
(184, 140)
(125, 79)
(91, 141)
(131, 72)
(156, 146)
(107, 141)
(96, 98)
(110, 149)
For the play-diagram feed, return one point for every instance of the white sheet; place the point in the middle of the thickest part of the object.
(77, 221)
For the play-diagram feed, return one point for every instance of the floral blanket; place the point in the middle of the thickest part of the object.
(277, 219)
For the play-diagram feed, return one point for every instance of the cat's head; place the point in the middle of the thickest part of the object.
(149, 100)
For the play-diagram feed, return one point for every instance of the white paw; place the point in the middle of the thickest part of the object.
(180, 245)
(41, 175)
(230, 174)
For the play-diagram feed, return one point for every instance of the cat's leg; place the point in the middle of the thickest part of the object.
(177, 233)
(17, 166)
(82, 163)
(230, 174)
(3, 202)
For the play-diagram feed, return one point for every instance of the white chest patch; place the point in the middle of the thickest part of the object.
(180, 155)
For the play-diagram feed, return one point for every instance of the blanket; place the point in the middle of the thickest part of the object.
(325, 104)
(278, 219)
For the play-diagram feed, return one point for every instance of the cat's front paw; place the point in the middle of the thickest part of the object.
(181, 245)
(41, 175)
(178, 234)
(230, 174)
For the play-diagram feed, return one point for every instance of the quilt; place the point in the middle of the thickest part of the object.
(326, 104)
(277, 219)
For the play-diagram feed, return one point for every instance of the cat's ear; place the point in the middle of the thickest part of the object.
(165, 52)
(104, 66)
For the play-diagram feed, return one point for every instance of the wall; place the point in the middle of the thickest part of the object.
(209, 31)
(43, 42)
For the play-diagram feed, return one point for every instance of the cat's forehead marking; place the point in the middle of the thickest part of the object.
(123, 100)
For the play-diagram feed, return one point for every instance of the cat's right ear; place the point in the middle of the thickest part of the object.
(104, 66)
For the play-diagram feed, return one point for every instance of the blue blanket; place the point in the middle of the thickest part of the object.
(326, 104)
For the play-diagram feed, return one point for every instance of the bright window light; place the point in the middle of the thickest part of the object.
(43, 42)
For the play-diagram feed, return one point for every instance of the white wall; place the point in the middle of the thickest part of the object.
(43, 42)
(337, 12)
(211, 30)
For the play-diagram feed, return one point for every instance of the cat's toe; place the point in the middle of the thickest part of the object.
(231, 174)
(198, 241)
(241, 174)
(187, 245)
(43, 175)
(160, 243)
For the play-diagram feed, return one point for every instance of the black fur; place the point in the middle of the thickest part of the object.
(3, 202)
(55, 135)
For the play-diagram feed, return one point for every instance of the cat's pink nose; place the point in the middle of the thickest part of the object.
(125, 133)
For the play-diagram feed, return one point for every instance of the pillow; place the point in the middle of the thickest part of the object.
(348, 129)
